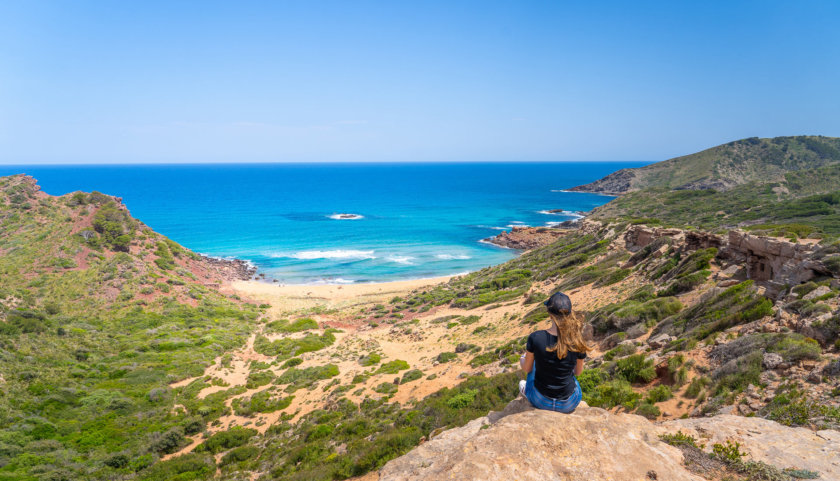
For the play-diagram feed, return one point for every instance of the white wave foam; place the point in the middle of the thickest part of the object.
(337, 280)
(511, 226)
(401, 260)
(581, 192)
(452, 257)
(334, 254)
(483, 241)
(346, 216)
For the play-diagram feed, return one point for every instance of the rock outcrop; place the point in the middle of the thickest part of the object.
(771, 259)
(617, 183)
(777, 262)
(767, 441)
(524, 238)
(590, 444)
(523, 443)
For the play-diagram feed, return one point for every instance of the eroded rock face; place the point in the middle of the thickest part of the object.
(590, 444)
(524, 238)
(770, 259)
(767, 441)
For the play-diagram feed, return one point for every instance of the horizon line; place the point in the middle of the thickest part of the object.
(364, 162)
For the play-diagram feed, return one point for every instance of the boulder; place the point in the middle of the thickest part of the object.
(589, 444)
(771, 360)
(832, 369)
(818, 292)
(660, 341)
(767, 441)
(637, 331)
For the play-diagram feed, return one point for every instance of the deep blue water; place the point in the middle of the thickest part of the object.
(418, 220)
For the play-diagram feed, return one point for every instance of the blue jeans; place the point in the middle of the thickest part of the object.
(539, 401)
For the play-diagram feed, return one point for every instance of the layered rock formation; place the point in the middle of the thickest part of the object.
(524, 238)
(775, 261)
(592, 444)
(767, 441)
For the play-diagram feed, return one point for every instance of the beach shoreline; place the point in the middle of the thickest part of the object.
(295, 296)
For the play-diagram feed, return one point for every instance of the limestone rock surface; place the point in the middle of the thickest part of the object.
(768, 441)
(589, 444)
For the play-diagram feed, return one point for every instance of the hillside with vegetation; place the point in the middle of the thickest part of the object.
(725, 166)
(801, 202)
(127, 356)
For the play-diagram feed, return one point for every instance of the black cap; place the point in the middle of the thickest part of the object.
(559, 303)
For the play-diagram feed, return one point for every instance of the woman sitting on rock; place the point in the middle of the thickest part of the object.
(553, 358)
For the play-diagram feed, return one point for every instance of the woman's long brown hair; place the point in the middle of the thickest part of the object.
(569, 335)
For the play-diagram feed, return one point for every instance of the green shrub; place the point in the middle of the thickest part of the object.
(679, 439)
(658, 394)
(795, 348)
(612, 277)
(648, 410)
(307, 377)
(259, 378)
(393, 367)
(463, 399)
(370, 360)
(237, 455)
(283, 325)
(260, 402)
(620, 351)
(181, 468)
(616, 392)
(483, 359)
(411, 375)
(446, 357)
(386, 388)
(224, 440)
(728, 452)
(295, 361)
(635, 368)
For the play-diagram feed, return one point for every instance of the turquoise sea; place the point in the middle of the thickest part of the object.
(408, 220)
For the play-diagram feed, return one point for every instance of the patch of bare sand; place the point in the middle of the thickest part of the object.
(329, 296)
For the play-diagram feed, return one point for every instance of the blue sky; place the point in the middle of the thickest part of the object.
(288, 81)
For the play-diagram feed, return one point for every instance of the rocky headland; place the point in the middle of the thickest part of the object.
(524, 238)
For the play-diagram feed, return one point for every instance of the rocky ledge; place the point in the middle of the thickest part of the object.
(591, 443)
(617, 183)
(524, 238)
(229, 269)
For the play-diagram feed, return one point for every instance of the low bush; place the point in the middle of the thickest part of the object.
(224, 440)
(370, 360)
(307, 377)
(658, 394)
(393, 367)
(411, 375)
(648, 410)
(635, 369)
(237, 455)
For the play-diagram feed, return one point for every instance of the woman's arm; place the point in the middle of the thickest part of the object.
(527, 362)
(578, 367)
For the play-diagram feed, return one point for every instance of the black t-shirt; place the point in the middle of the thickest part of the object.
(554, 377)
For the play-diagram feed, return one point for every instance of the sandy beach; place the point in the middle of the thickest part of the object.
(297, 296)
